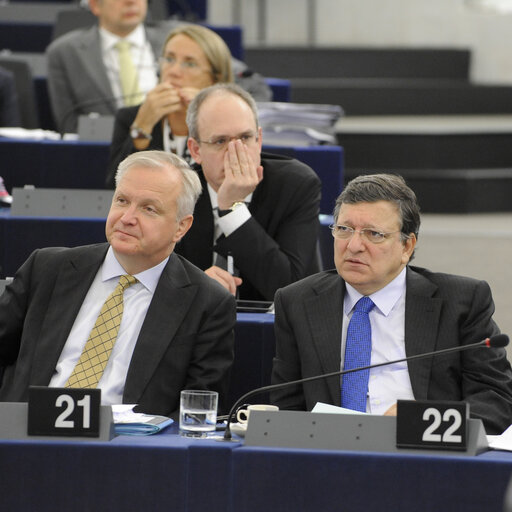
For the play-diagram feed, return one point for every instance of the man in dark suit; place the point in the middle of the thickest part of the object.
(177, 326)
(257, 218)
(415, 311)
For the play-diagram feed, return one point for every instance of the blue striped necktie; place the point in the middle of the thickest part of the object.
(358, 351)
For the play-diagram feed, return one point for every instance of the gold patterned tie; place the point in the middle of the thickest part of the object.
(97, 350)
(128, 75)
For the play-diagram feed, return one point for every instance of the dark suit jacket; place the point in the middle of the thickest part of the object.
(77, 79)
(441, 311)
(186, 340)
(277, 245)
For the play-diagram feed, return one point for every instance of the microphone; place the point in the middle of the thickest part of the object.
(498, 341)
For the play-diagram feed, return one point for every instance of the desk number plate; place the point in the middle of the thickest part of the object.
(63, 412)
(432, 425)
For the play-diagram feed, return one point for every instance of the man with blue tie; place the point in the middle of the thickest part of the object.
(375, 307)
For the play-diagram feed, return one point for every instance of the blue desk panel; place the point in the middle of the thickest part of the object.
(74, 164)
(166, 472)
(33, 36)
(154, 473)
(281, 89)
(254, 350)
(25, 36)
(330, 481)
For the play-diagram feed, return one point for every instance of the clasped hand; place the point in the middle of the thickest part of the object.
(162, 100)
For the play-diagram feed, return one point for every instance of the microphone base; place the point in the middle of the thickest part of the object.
(230, 440)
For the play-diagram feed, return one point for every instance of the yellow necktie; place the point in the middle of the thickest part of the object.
(97, 350)
(128, 75)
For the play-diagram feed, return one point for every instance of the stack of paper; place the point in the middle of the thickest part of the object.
(298, 124)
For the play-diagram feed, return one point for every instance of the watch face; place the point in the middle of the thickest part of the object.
(134, 133)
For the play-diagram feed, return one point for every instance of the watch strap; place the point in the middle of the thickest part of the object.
(138, 133)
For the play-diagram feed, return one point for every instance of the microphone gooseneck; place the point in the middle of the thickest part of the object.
(498, 341)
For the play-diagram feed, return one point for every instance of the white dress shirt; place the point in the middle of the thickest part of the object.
(230, 222)
(142, 57)
(137, 299)
(387, 320)
(176, 144)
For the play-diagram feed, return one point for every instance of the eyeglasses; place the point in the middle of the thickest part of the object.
(373, 236)
(185, 65)
(221, 143)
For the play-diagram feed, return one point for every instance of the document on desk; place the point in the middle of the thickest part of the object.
(501, 442)
(333, 409)
(128, 422)
(36, 134)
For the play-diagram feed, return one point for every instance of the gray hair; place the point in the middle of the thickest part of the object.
(220, 88)
(384, 187)
(161, 160)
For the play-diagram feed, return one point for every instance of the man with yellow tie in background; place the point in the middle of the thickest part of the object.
(104, 67)
(114, 64)
(130, 317)
(375, 308)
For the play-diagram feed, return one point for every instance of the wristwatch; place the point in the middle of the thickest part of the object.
(232, 208)
(137, 133)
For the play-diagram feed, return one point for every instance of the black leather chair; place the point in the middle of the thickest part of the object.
(25, 88)
(71, 19)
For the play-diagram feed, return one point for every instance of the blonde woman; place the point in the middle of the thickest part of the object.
(193, 57)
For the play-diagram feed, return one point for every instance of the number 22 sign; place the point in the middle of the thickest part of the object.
(432, 425)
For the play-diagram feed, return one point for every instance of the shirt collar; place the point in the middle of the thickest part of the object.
(111, 268)
(136, 37)
(215, 202)
(384, 299)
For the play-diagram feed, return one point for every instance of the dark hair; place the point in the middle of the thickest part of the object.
(371, 188)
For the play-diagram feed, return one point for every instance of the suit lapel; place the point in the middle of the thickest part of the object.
(71, 286)
(422, 312)
(170, 304)
(89, 53)
(326, 335)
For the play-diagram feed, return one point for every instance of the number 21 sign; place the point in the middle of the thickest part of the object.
(63, 412)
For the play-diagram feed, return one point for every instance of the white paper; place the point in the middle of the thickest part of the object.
(123, 413)
(502, 442)
(37, 134)
(333, 409)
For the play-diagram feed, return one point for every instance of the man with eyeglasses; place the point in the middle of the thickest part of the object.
(257, 219)
(405, 310)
